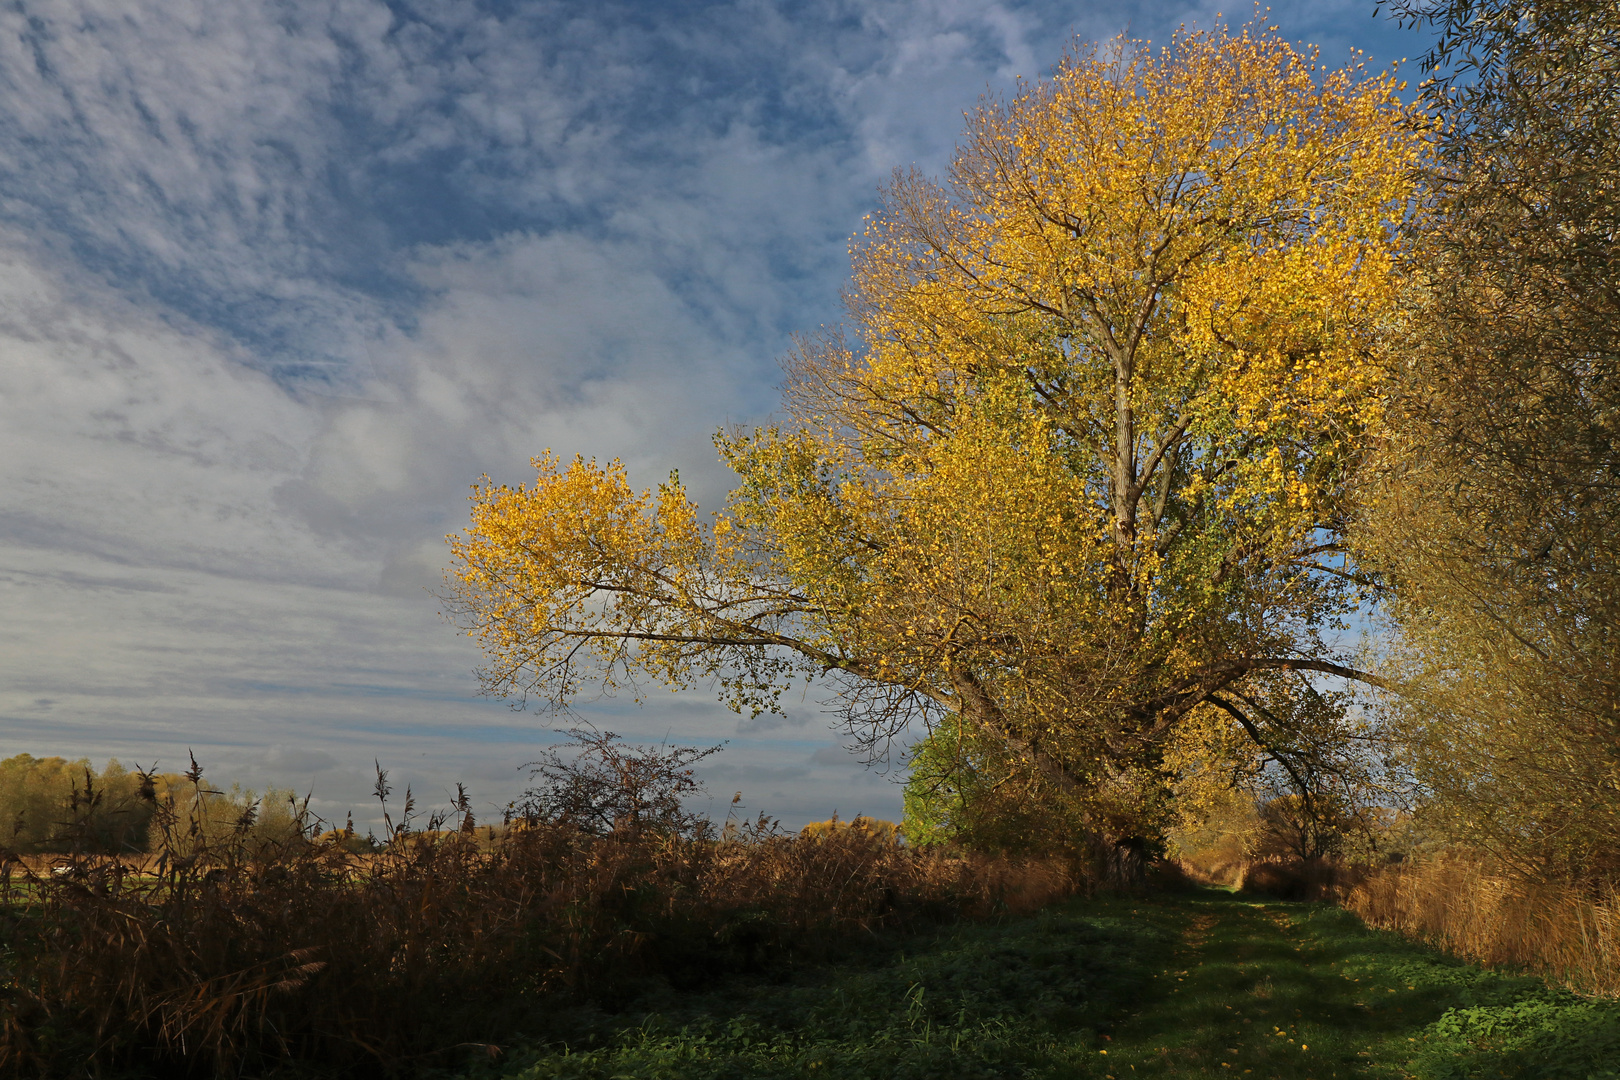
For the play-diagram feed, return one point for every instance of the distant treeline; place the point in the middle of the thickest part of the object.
(55, 805)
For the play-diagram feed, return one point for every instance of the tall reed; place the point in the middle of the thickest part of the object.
(228, 955)
(1567, 933)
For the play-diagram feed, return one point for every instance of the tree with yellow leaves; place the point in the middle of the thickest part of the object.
(1075, 474)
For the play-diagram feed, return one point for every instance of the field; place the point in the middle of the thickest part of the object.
(1197, 984)
(669, 948)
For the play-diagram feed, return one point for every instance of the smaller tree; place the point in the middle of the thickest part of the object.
(1308, 826)
(1283, 768)
(963, 788)
(609, 786)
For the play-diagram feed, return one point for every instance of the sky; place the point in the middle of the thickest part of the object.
(280, 279)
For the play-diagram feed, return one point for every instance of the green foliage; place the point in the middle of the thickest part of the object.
(1487, 1023)
(1538, 1037)
(1203, 985)
(1291, 990)
(968, 789)
(1472, 1023)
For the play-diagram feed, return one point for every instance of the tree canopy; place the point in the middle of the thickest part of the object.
(1075, 468)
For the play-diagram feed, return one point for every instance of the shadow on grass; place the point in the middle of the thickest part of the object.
(1028, 996)
(1258, 988)
(1283, 990)
(1198, 984)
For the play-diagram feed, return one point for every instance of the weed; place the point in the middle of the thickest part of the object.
(1019, 997)
(1201, 984)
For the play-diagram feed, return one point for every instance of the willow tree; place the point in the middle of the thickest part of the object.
(1493, 500)
(1075, 468)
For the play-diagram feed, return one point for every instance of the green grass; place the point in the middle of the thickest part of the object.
(1270, 989)
(1204, 984)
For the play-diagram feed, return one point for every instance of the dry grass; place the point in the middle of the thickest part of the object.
(232, 959)
(1213, 869)
(1566, 934)
(1282, 878)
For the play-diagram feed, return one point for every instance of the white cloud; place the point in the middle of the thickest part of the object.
(280, 278)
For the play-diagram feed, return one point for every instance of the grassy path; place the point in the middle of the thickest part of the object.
(1266, 989)
(1274, 990)
(1201, 985)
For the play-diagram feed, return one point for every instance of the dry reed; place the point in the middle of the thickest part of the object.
(1299, 879)
(231, 960)
(1562, 932)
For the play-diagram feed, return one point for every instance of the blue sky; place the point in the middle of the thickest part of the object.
(279, 280)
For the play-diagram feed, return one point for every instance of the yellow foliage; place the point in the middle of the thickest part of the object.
(1081, 469)
(52, 804)
(1492, 502)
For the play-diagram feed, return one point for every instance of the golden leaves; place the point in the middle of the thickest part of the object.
(579, 574)
(1080, 455)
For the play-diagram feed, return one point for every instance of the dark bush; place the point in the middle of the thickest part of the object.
(1296, 879)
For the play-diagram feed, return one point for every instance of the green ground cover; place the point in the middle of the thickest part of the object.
(1201, 984)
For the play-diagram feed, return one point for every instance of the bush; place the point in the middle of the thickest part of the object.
(1167, 875)
(1298, 879)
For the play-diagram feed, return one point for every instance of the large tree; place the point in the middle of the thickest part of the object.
(1075, 471)
(1493, 502)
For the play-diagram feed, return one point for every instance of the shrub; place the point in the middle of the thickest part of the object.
(1298, 879)
(608, 785)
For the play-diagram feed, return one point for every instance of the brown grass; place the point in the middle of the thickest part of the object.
(1567, 934)
(1217, 870)
(233, 959)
